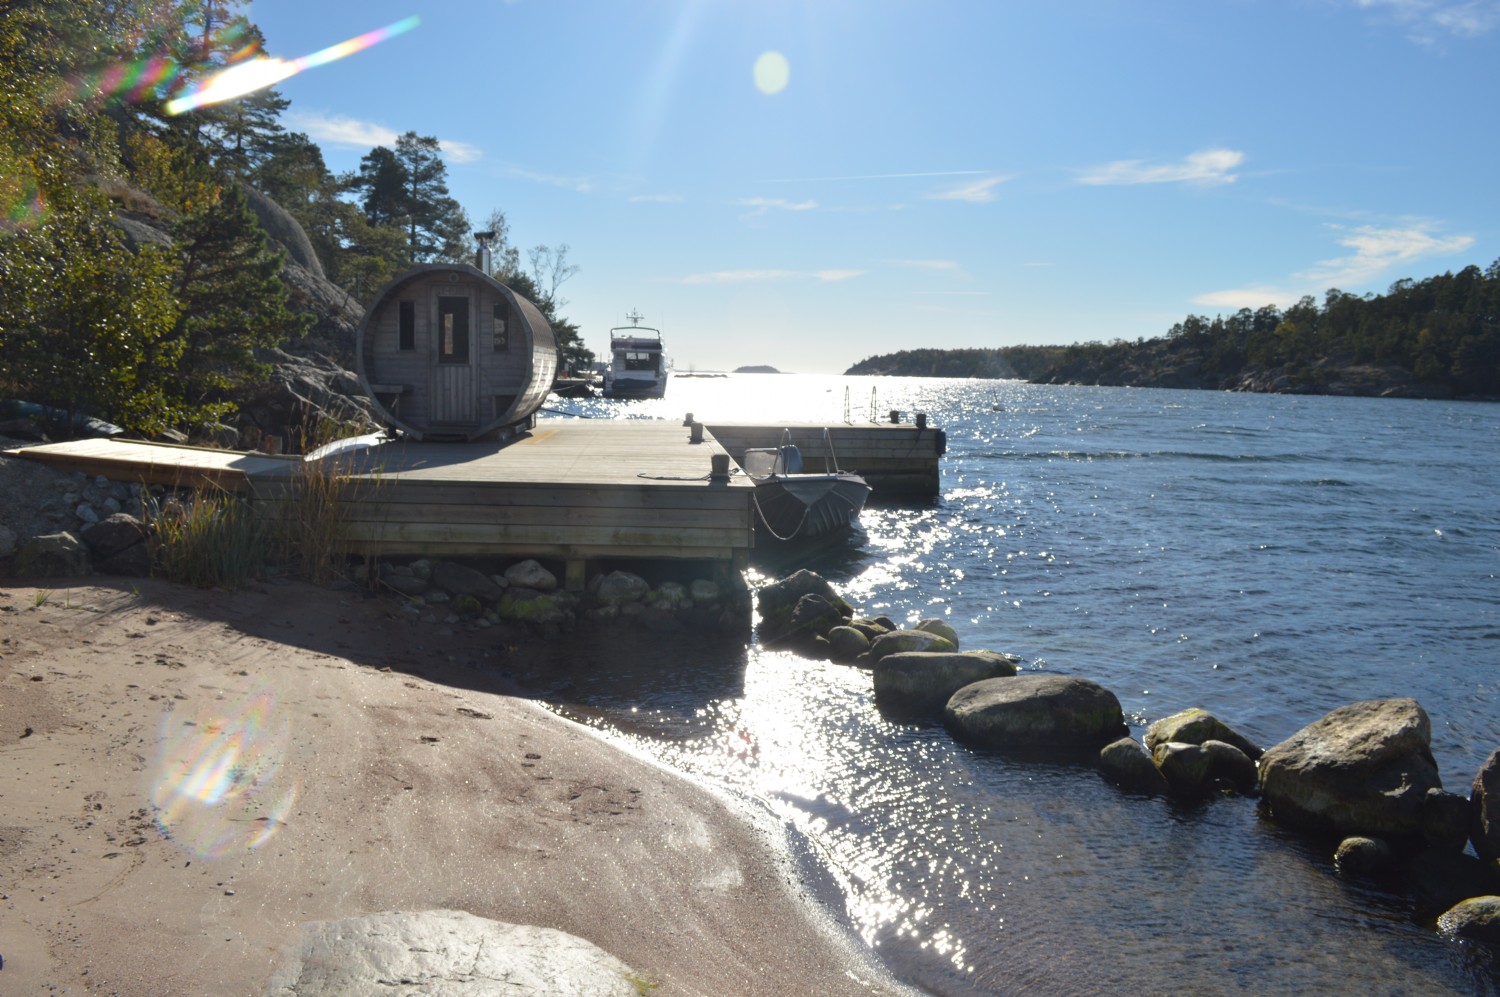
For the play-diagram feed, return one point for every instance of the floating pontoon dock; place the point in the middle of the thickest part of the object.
(897, 460)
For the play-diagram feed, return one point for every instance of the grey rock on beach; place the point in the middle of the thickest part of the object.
(448, 953)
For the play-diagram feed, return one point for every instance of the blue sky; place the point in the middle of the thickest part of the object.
(933, 174)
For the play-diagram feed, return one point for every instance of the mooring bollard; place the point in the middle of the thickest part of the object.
(921, 420)
(689, 420)
(695, 433)
(718, 465)
(895, 417)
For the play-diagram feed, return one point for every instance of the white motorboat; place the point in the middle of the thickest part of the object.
(638, 362)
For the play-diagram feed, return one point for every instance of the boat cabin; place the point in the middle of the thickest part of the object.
(447, 352)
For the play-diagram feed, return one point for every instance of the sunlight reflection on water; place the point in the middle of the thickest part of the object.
(1267, 558)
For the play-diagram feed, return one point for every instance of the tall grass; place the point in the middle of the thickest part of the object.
(215, 538)
(309, 528)
(209, 538)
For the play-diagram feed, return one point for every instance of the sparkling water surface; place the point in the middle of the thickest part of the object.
(1265, 557)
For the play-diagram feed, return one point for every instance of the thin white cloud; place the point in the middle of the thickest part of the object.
(759, 276)
(355, 134)
(950, 265)
(1427, 19)
(879, 176)
(1211, 166)
(764, 204)
(337, 130)
(461, 152)
(1376, 252)
(1379, 249)
(976, 191)
(656, 199)
(581, 185)
(1254, 296)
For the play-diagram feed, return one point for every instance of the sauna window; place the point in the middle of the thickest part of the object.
(406, 329)
(453, 330)
(502, 334)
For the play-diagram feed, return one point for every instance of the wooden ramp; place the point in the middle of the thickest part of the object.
(170, 464)
(896, 460)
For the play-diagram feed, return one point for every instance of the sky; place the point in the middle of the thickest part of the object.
(808, 183)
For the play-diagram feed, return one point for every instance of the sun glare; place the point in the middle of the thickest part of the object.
(771, 73)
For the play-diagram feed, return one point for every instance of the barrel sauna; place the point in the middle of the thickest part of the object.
(449, 353)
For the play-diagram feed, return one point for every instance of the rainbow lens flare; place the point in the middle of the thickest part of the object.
(217, 783)
(263, 71)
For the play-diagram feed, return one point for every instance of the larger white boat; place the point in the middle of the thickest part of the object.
(638, 362)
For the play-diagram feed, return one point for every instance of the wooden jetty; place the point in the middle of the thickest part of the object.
(573, 492)
(897, 460)
(569, 492)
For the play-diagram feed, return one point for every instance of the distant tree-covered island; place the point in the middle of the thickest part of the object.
(757, 369)
(1434, 338)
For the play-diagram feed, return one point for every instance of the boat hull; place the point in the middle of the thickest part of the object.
(807, 506)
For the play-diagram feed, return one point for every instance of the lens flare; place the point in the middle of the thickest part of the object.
(215, 782)
(263, 71)
(772, 72)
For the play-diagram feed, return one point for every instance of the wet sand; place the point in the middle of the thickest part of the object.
(188, 776)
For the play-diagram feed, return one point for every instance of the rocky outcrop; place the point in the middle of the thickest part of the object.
(1035, 711)
(303, 399)
(1363, 769)
(448, 952)
(912, 684)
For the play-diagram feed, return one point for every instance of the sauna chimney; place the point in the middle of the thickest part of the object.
(482, 258)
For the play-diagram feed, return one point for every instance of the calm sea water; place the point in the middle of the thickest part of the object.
(1268, 558)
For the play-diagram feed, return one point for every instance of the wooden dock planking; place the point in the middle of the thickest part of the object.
(896, 460)
(569, 491)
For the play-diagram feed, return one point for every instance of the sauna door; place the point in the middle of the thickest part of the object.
(453, 387)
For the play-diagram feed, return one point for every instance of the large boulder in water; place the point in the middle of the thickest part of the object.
(920, 683)
(778, 601)
(1484, 801)
(1126, 763)
(907, 641)
(1035, 711)
(1477, 918)
(1362, 769)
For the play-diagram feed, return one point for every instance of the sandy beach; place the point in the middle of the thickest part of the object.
(187, 777)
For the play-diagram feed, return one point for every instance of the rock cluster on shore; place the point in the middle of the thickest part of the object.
(1363, 775)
